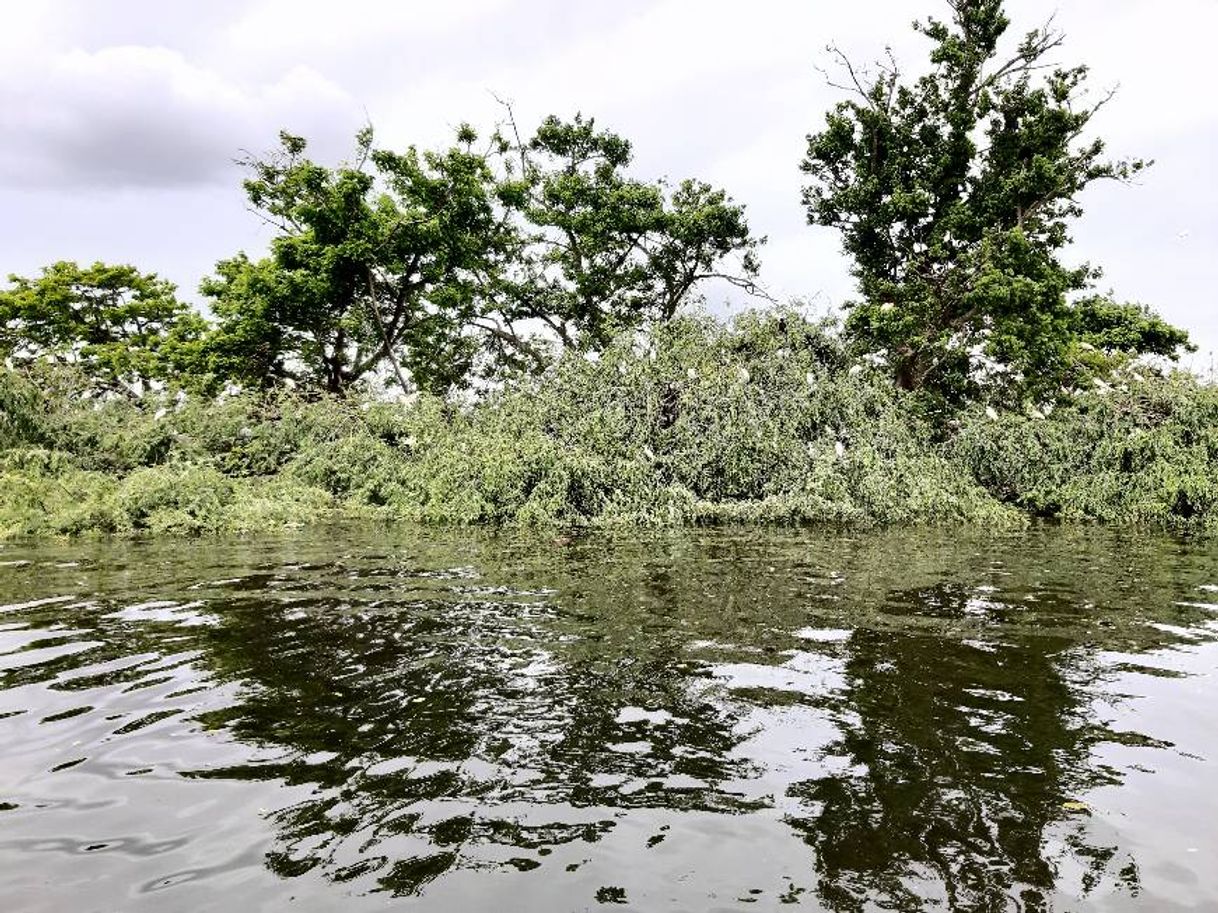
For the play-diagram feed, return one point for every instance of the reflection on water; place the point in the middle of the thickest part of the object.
(708, 721)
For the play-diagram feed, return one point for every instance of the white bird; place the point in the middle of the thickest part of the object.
(991, 412)
(855, 370)
(840, 449)
(692, 374)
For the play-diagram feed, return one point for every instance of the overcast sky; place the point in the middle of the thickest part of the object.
(120, 119)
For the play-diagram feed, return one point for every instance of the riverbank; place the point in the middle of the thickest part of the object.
(765, 421)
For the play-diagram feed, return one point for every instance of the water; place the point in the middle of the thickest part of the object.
(706, 721)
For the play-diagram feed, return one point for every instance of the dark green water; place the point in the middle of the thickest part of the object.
(710, 721)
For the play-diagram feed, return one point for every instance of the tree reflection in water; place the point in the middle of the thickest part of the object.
(431, 727)
(436, 705)
(963, 756)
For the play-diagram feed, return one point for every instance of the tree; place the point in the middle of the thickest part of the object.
(954, 194)
(377, 267)
(121, 327)
(606, 252)
(1110, 334)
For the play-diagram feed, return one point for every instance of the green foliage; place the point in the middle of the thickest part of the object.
(359, 468)
(1143, 451)
(430, 266)
(19, 402)
(121, 327)
(1110, 336)
(954, 194)
(762, 421)
(765, 420)
(43, 493)
(605, 252)
(46, 493)
(548, 278)
(377, 265)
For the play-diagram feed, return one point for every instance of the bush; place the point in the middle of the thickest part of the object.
(765, 420)
(1143, 452)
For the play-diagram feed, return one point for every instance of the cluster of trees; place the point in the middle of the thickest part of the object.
(953, 193)
(423, 267)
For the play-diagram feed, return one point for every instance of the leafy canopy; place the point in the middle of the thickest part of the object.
(120, 327)
(605, 252)
(429, 266)
(954, 193)
(377, 265)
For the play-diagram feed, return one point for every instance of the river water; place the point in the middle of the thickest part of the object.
(711, 720)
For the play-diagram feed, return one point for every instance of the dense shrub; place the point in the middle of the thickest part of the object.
(1145, 451)
(765, 420)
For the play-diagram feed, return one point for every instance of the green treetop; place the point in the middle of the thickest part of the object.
(376, 266)
(429, 265)
(954, 193)
(606, 251)
(119, 326)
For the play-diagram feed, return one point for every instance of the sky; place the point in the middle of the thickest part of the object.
(121, 120)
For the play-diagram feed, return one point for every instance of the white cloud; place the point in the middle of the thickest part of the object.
(147, 116)
(318, 28)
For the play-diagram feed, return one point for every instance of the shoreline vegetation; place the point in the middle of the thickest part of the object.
(763, 420)
(511, 330)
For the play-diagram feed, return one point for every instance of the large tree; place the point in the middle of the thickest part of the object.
(120, 327)
(606, 251)
(954, 193)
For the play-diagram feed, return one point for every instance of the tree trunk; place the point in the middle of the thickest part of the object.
(909, 373)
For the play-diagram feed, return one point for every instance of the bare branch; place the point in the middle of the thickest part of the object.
(387, 343)
(1035, 46)
(511, 115)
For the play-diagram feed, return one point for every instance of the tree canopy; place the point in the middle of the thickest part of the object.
(954, 193)
(604, 252)
(376, 264)
(427, 265)
(121, 327)
(427, 269)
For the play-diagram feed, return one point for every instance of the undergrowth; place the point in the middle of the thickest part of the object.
(766, 420)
